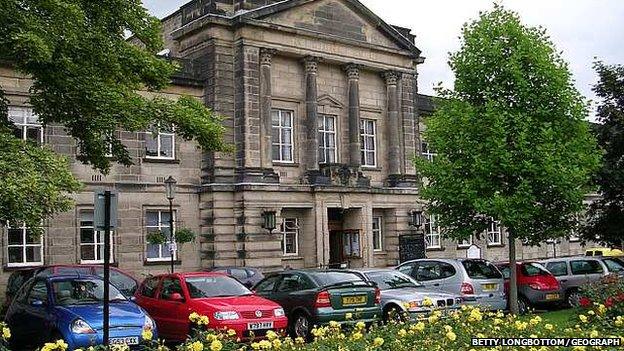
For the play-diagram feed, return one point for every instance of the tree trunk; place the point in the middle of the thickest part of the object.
(513, 277)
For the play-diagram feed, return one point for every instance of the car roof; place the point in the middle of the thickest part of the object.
(62, 277)
(371, 270)
(191, 274)
(570, 258)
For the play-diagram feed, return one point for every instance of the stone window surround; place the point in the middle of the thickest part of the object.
(148, 134)
(293, 132)
(324, 148)
(433, 232)
(290, 231)
(375, 148)
(494, 230)
(160, 210)
(95, 243)
(378, 245)
(24, 245)
(25, 122)
(463, 244)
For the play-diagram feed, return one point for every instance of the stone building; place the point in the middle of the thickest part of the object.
(320, 100)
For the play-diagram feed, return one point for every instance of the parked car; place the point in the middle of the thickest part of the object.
(573, 272)
(603, 251)
(246, 275)
(123, 281)
(401, 294)
(536, 285)
(477, 281)
(316, 297)
(171, 298)
(69, 307)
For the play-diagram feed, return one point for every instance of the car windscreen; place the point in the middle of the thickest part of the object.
(333, 278)
(392, 280)
(83, 292)
(534, 270)
(481, 270)
(613, 264)
(121, 281)
(203, 287)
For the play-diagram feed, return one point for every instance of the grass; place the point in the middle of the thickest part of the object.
(560, 317)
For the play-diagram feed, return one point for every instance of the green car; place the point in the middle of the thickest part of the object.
(316, 297)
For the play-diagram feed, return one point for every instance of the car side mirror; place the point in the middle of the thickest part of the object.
(176, 297)
(36, 303)
(133, 298)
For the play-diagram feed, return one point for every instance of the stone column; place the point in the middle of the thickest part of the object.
(353, 76)
(392, 123)
(265, 107)
(310, 124)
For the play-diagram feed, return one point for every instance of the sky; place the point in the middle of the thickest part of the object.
(583, 30)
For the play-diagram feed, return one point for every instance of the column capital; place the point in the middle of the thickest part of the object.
(266, 55)
(353, 71)
(311, 64)
(391, 77)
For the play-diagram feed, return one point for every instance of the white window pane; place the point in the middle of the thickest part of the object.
(151, 218)
(16, 255)
(287, 152)
(151, 145)
(166, 146)
(153, 251)
(287, 135)
(286, 120)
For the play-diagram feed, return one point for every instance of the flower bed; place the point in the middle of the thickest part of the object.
(433, 333)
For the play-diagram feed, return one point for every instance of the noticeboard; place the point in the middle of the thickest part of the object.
(411, 247)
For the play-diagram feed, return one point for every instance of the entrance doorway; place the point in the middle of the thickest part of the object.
(344, 244)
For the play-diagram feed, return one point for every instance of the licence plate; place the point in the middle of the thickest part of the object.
(552, 296)
(130, 340)
(260, 325)
(490, 287)
(353, 300)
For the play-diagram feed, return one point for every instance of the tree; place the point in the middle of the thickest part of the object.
(87, 77)
(606, 216)
(512, 142)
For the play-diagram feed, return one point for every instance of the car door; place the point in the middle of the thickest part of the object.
(428, 273)
(146, 296)
(266, 288)
(16, 313)
(35, 313)
(586, 271)
(560, 270)
(174, 324)
(294, 292)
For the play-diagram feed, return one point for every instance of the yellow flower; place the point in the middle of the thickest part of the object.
(497, 321)
(420, 326)
(255, 346)
(593, 334)
(231, 332)
(378, 342)
(583, 318)
(602, 309)
(203, 320)
(535, 320)
(521, 325)
(6, 333)
(299, 340)
(277, 343)
(349, 316)
(480, 335)
(195, 346)
(360, 325)
(334, 324)
(193, 317)
(548, 326)
(451, 336)
(147, 334)
(591, 312)
(216, 345)
(356, 336)
(61, 345)
(432, 319)
(265, 344)
(427, 302)
(475, 316)
(402, 333)
(448, 328)
(271, 335)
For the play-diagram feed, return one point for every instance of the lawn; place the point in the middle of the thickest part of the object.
(561, 318)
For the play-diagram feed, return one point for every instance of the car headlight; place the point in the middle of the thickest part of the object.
(226, 315)
(148, 324)
(278, 312)
(81, 327)
(413, 304)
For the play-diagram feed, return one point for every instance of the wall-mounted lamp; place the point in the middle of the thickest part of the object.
(415, 218)
(269, 218)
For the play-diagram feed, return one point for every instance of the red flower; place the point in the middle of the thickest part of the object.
(608, 302)
(620, 297)
(585, 302)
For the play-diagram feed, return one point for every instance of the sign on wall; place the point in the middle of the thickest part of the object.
(411, 247)
(473, 251)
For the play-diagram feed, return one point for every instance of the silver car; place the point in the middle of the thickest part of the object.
(478, 282)
(400, 294)
(574, 272)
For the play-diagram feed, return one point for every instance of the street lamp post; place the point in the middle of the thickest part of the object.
(170, 187)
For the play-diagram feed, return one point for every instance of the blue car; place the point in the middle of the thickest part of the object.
(70, 307)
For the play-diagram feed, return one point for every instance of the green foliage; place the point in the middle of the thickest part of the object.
(182, 236)
(511, 138)
(35, 182)
(87, 75)
(606, 216)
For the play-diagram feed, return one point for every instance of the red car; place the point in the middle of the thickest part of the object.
(536, 285)
(171, 298)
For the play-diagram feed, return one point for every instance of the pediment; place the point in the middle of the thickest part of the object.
(346, 19)
(328, 100)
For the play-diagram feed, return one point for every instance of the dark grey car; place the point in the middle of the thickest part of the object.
(246, 275)
(402, 294)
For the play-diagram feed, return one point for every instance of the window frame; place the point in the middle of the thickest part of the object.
(427, 152)
(492, 232)
(293, 231)
(325, 150)
(24, 124)
(95, 243)
(428, 226)
(463, 244)
(160, 133)
(280, 142)
(160, 225)
(378, 241)
(24, 246)
(363, 145)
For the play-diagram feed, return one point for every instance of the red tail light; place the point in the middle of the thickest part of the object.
(377, 296)
(467, 289)
(322, 300)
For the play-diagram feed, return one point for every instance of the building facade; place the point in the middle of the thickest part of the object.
(320, 99)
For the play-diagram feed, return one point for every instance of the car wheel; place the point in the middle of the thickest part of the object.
(393, 314)
(301, 327)
(523, 306)
(573, 298)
